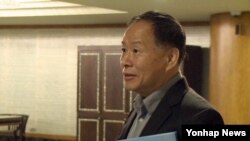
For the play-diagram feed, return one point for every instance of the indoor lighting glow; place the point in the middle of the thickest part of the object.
(41, 4)
(58, 11)
(13, 2)
(23, 8)
(31, 0)
(8, 3)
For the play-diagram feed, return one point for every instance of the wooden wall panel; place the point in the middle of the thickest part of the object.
(230, 67)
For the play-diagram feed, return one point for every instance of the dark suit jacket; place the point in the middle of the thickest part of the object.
(181, 105)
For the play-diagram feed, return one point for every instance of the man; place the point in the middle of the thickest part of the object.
(152, 53)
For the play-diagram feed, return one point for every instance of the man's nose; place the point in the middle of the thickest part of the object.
(126, 60)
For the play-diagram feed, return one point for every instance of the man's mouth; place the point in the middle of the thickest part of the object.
(128, 76)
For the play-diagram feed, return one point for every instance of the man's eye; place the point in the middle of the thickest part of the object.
(124, 50)
(135, 50)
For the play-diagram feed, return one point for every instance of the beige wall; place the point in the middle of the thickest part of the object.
(38, 72)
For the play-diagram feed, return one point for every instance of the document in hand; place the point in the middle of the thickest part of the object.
(171, 136)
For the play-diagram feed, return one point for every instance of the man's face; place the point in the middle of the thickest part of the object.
(143, 63)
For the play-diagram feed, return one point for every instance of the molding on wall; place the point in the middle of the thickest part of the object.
(200, 23)
(64, 26)
(51, 137)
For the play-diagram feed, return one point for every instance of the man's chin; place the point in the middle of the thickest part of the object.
(130, 88)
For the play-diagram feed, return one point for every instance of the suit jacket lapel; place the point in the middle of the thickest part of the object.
(156, 121)
(127, 125)
(163, 110)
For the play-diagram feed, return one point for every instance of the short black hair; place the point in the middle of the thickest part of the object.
(167, 30)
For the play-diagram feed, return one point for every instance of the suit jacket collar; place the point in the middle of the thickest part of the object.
(172, 97)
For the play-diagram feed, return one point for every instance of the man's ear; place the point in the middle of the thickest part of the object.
(172, 58)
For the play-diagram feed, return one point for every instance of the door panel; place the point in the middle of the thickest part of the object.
(114, 96)
(89, 81)
(87, 125)
(103, 103)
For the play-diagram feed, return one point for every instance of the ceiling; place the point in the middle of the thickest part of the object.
(183, 10)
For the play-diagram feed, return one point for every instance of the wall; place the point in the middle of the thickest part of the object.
(38, 72)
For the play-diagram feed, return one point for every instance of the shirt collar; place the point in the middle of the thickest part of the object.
(150, 102)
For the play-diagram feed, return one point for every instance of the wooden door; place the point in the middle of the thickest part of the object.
(103, 103)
